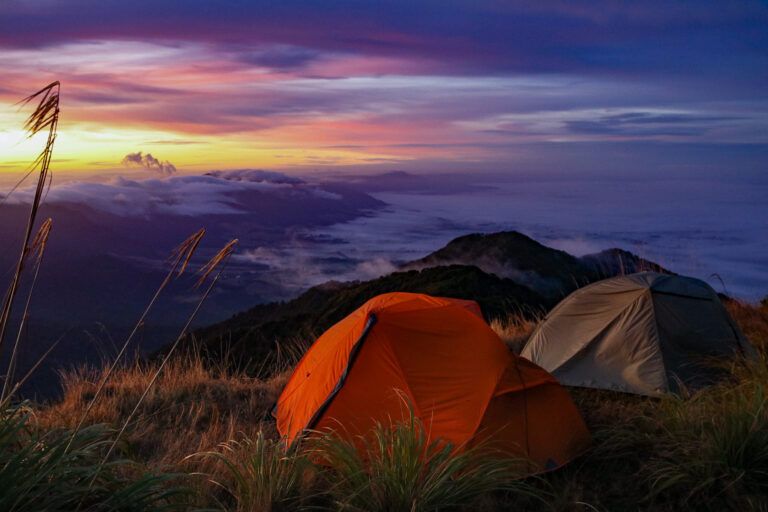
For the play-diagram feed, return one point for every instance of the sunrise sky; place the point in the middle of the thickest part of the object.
(420, 85)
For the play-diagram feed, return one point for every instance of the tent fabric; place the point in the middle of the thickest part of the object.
(438, 357)
(643, 333)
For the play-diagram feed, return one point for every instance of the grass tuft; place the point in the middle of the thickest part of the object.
(713, 449)
(515, 329)
(707, 451)
(399, 468)
(45, 471)
(261, 474)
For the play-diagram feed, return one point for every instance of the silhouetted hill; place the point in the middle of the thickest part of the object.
(504, 272)
(253, 334)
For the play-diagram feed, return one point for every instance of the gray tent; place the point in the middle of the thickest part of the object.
(641, 333)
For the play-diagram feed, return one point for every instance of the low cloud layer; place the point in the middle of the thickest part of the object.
(215, 193)
(697, 226)
(297, 266)
(256, 176)
(149, 162)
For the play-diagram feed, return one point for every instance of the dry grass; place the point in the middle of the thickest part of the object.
(218, 263)
(190, 407)
(514, 330)
(753, 321)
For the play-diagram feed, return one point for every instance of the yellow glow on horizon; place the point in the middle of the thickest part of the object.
(92, 147)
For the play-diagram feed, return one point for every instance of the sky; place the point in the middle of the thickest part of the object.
(427, 86)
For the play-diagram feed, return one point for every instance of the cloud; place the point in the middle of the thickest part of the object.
(256, 176)
(297, 265)
(216, 193)
(280, 57)
(376, 267)
(638, 124)
(515, 36)
(428, 88)
(149, 162)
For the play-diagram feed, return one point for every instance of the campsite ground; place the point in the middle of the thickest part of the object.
(708, 451)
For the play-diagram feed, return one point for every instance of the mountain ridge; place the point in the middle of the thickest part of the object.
(504, 272)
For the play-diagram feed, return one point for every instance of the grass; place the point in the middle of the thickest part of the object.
(713, 450)
(191, 407)
(515, 329)
(52, 470)
(401, 469)
(753, 321)
(261, 474)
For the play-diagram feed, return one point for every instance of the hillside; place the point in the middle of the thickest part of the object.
(251, 336)
(504, 272)
(652, 455)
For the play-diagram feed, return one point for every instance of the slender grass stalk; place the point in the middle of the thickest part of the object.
(180, 260)
(38, 246)
(45, 116)
(4, 402)
(219, 261)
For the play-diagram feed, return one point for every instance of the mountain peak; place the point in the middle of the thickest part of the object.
(513, 255)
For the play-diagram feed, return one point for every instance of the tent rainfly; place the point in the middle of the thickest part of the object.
(439, 357)
(644, 333)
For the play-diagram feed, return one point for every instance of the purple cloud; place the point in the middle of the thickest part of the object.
(458, 38)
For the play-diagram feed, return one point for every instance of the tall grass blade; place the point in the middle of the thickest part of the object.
(179, 260)
(45, 115)
(218, 261)
(38, 247)
(30, 372)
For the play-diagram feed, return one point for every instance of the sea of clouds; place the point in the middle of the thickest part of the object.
(213, 193)
(713, 229)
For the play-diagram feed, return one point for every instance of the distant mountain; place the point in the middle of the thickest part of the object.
(504, 272)
(550, 272)
(515, 256)
(252, 335)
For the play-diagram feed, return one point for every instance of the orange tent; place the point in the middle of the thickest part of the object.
(452, 368)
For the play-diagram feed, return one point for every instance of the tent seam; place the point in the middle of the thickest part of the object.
(658, 340)
(370, 322)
